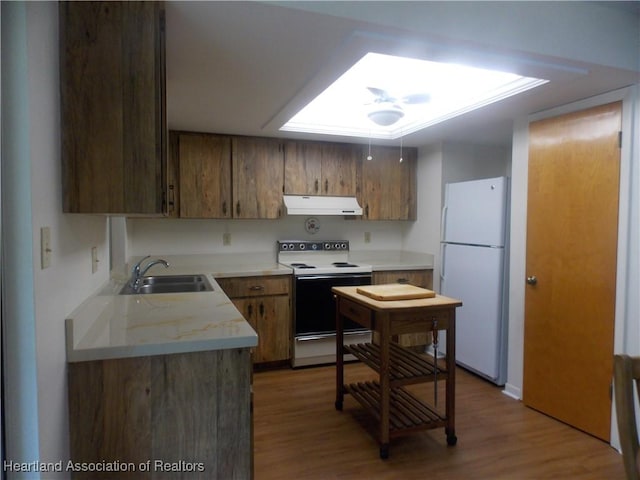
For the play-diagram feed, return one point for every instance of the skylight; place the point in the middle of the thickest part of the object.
(422, 93)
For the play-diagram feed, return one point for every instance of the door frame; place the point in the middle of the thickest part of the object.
(627, 310)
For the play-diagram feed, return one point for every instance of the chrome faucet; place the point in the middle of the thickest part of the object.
(137, 272)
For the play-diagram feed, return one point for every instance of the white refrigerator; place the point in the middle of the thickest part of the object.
(474, 270)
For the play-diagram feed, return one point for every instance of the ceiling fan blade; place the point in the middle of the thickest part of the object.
(382, 95)
(416, 98)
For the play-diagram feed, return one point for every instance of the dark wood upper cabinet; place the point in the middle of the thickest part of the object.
(204, 171)
(387, 187)
(113, 121)
(320, 168)
(258, 177)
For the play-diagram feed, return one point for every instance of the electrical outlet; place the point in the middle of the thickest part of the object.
(367, 237)
(94, 259)
(45, 247)
(226, 238)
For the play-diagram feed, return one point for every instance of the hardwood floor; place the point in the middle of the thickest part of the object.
(298, 434)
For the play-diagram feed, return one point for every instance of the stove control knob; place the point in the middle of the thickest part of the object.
(302, 246)
(292, 246)
(314, 246)
(284, 246)
(327, 246)
(343, 246)
(337, 246)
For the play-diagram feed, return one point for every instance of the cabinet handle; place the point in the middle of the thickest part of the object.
(256, 288)
(403, 280)
(366, 210)
(238, 208)
(224, 207)
(250, 310)
(316, 186)
(326, 186)
(171, 197)
(261, 309)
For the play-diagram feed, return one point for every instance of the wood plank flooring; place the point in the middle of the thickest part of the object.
(298, 434)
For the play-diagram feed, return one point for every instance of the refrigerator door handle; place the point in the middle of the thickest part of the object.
(443, 218)
(442, 263)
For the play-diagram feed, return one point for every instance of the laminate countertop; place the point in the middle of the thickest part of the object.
(109, 325)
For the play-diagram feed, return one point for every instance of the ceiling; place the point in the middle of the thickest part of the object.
(246, 67)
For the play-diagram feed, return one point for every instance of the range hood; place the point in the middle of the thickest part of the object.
(321, 205)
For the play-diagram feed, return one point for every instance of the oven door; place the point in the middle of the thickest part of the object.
(314, 309)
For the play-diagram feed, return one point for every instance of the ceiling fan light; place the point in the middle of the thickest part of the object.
(386, 116)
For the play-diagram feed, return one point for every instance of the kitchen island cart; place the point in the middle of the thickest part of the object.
(397, 410)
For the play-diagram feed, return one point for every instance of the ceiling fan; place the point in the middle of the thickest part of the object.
(387, 109)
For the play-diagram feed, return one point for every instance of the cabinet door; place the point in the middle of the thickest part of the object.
(419, 278)
(320, 168)
(274, 328)
(258, 177)
(302, 168)
(339, 163)
(388, 186)
(113, 125)
(204, 171)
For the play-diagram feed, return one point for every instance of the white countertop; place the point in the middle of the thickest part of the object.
(117, 326)
(382, 260)
(109, 325)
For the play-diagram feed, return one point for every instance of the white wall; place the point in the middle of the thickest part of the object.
(424, 235)
(53, 292)
(180, 236)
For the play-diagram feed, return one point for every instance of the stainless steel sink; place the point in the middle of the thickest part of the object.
(170, 284)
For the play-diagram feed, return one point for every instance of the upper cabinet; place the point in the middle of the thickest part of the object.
(112, 83)
(258, 177)
(200, 176)
(320, 168)
(387, 187)
(223, 176)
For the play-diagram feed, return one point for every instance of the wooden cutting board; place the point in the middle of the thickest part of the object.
(395, 291)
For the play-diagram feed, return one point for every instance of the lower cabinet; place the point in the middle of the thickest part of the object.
(184, 415)
(419, 278)
(265, 302)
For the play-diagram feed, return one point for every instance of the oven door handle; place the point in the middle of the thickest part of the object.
(308, 338)
(314, 337)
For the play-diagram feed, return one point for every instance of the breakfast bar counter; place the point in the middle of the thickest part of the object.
(396, 409)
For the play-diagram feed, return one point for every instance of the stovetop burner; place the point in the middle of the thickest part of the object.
(343, 264)
(301, 265)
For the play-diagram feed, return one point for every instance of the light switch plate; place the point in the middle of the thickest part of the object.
(226, 239)
(367, 237)
(45, 247)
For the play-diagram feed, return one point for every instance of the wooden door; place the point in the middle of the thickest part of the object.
(572, 225)
(258, 177)
(205, 176)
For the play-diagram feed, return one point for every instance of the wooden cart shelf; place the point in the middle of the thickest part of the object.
(405, 367)
(406, 413)
(397, 410)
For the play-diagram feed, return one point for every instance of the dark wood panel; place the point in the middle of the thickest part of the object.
(112, 107)
(190, 412)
